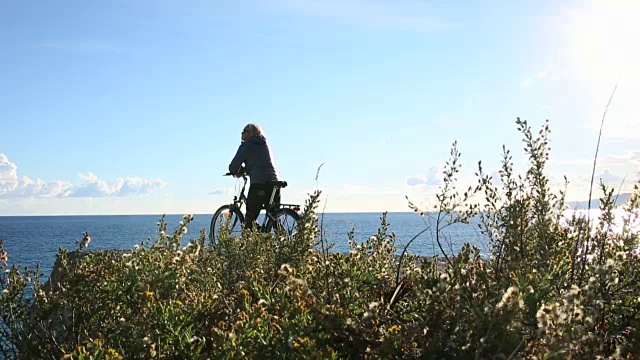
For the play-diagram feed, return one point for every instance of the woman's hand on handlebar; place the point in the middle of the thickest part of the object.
(241, 173)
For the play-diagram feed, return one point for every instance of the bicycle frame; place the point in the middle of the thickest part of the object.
(270, 218)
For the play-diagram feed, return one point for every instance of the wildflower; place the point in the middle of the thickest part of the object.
(113, 354)
(286, 269)
(394, 329)
(149, 294)
(599, 305)
(509, 299)
(609, 265)
(577, 314)
(542, 319)
(588, 321)
(184, 230)
(295, 282)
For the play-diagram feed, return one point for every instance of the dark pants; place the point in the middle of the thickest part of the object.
(257, 199)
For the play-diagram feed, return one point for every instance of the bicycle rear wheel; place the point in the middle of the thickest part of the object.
(227, 221)
(286, 223)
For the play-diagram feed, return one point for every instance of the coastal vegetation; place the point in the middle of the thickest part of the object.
(551, 287)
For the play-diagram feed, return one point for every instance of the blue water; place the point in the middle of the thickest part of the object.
(31, 240)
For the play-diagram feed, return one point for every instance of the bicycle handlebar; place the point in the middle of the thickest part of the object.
(244, 176)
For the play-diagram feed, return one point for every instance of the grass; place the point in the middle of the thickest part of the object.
(551, 288)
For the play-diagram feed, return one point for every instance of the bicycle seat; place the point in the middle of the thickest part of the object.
(280, 184)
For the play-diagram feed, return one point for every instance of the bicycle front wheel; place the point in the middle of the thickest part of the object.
(227, 221)
(286, 223)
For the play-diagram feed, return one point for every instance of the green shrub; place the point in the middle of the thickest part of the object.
(551, 287)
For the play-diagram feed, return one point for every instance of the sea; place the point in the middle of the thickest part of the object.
(31, 240)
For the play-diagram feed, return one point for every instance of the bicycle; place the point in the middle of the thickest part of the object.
(276, 219)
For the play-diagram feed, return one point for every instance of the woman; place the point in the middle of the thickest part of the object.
(256, 156)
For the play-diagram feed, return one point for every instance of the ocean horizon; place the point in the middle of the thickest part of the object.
(36, 239)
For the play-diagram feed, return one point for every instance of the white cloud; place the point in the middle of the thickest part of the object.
(40, 188)
(415, 181)
(14, 186)
(608, 178)
(625, 165)
(399, 15)
(91, 186)
(8, 175)
(433, 178)
(578, 188)
(221, 191)
(630, 156)
(495, 178)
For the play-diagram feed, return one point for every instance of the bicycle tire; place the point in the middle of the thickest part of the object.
(289, 230)
(235, 227)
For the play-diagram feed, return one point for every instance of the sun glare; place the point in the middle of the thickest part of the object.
(603, 50)
(605, 39)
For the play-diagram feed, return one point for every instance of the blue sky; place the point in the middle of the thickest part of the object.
(126, 107)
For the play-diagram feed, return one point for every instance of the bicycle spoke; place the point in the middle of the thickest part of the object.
(285, 225)
(226, 222)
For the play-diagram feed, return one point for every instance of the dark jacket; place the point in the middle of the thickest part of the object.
(256, 155)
